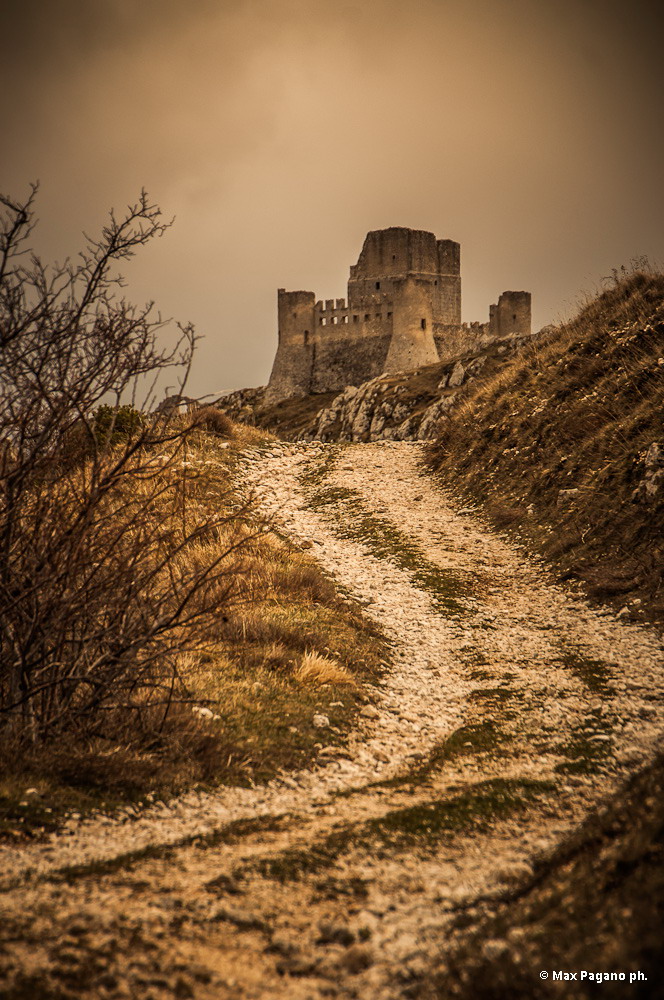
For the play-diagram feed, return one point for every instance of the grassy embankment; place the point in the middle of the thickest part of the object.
(576, 410)
(283, 647)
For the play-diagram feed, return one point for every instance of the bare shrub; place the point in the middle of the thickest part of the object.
(213, 421)
(102, 584)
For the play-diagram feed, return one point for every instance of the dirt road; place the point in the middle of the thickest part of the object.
(511, 709)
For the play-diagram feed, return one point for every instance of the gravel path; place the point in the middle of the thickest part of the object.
(512, 708)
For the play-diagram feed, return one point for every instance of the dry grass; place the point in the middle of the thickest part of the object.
(290, 417)
(577, 410)
(319, 670)
(285, 648)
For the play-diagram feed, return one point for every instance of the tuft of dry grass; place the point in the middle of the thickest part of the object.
(576, 410)
(317, 669)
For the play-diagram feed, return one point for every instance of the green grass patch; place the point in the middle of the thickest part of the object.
(482, 737)
(423, 825)
(232, 833)
(383, 539)
(473, 810)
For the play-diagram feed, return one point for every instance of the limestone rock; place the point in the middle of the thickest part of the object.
(651, 486)
(565, 497)
(433, 415)
(457, 376)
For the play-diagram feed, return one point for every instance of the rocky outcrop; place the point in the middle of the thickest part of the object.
(390, 407)
(384, 409)
(376, 411)
(242, 404)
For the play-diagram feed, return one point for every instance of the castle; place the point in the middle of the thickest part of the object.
(403, 312)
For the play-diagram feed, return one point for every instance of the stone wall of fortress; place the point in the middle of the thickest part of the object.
(403, 311)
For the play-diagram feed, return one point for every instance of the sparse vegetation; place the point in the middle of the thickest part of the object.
(421, 826)
(286, 647)
(470, 811)
(152, 629)
(578, 411)
(595, 905)
(383, 540)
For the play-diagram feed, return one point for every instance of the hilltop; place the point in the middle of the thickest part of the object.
(558, 436)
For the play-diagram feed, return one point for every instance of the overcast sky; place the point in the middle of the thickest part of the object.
(278, 132)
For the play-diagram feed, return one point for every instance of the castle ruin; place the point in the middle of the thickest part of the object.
(403, 312)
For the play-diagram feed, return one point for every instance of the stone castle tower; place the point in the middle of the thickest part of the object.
(403, 312)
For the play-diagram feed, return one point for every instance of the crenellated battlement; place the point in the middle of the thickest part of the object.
(403, 310)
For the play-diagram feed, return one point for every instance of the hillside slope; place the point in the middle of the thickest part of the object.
(402, 407)
(565, 445)
(596, 904)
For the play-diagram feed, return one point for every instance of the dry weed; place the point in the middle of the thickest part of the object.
(317, 669)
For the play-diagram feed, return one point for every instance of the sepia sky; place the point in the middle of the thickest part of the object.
(278, 132)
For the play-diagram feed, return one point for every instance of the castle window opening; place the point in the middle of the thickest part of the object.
(334, 321)
(356, 319)
(306, 336)
(378, 316)
(514, 316)
(322, 321)
(367, 317)
(389, 315)
(423, 323)
(377, 285)
(344, 319)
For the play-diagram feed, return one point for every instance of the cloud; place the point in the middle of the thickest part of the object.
(280, 131)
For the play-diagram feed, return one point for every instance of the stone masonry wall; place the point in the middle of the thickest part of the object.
(403, 312)
(337, 365)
